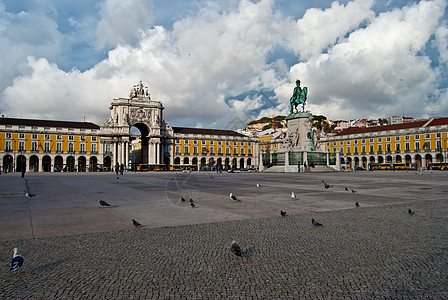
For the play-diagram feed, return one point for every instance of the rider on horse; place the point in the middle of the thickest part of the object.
(298, 97)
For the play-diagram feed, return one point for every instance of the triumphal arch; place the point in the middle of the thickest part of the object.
(145, 114)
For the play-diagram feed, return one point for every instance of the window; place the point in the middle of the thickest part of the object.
(47, 147)
(397, 147)
(59, 137)
(417, 146)
(380, 148)
(177, 149)
(186, 150)
(21, 146)
(34, 136)
(195, 149)
(363, 149)
(59, 147)
(93, 138)
(82, 148)
(83, 138)
(438, 135)
(8, 146)
(363, 141)
(21, 135)
(406, 147)
(439, 145)
(371, 140)
(388, 147)
(107, 148)
(371, 149)
(406, 138)
(47, 136)
(417, 136)
(34, 146)
(356, 150)
(93, 148)
(71, 138)
(8, 135)
(388, 138)
(427, 136)
(71, 147)
(427, 146)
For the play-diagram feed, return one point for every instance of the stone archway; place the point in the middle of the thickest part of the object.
(58, 163)
(46, 163)
(145, 114)
(34, 163)
(8, 162)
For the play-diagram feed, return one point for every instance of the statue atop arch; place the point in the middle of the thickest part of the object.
(139, 91)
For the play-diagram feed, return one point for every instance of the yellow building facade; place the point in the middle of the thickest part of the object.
(419, 144)
(47, 146)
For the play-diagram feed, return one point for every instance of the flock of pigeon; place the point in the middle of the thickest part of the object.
(17, 260)
(236, 249)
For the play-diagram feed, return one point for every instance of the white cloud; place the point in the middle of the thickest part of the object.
(319, 28)
(378, 69)
(123, 21)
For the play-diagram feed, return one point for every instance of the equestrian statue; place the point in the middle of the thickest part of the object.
(298, 98)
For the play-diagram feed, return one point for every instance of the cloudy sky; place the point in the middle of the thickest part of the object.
(211, 62)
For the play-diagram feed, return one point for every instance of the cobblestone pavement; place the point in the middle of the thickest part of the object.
(376, 251)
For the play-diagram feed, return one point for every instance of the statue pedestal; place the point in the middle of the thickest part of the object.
(299, 135)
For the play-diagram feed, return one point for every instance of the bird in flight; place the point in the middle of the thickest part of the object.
(235, 248)
(16, 262)
(353, 191)
(315, 223)
(103, 203)
(283, 213)
(136, 223)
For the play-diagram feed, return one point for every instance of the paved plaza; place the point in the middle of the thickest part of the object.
(75, 250)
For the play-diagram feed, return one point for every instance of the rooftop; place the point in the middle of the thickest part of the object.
(415, 124)
(47, 123)
(204, 131)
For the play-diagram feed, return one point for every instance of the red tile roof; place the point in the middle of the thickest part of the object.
(415, 124)
(185, 130)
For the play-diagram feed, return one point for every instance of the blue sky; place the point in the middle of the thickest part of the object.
(211, 62)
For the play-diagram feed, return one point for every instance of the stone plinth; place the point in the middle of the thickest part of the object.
(299, 136)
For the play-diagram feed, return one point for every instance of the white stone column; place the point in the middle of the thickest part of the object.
(338, 160)
(423, 162)
(114, 154)
(126, 155)
(287, 159)
(119, 153)
(328, 158)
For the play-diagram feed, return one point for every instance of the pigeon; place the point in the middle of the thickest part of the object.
(30, 195)
(235, 248)
(353, 191)
(411, 212)
(136, 224)
(356, 204)
(346, 188)
(118, 177)
(293, 196)
(16, 262)
(315, 223)
(233, 197)
(193, 205)
(258, 185)
(283, 213)
(191, 200)
(103, 203)
(326, 185)
(182, 199)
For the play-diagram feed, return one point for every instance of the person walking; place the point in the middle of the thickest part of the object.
(121, 169)
(117, 168)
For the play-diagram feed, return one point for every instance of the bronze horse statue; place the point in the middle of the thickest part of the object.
(298, 98)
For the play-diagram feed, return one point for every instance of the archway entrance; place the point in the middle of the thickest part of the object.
(107, 163)
(93, 164)
(7, 163)
(81, 164)
(34, 163)
(139, 145)
(58, 163)
(70, 165)
(46, 163)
